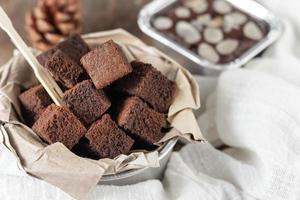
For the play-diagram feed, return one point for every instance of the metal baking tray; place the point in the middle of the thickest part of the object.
(139, 175)
(250, 7)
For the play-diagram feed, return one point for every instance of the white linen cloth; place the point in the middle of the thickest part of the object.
(255, 111)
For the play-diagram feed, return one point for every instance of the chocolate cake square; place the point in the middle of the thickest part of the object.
(150, 85)
(87, 103)
(65, 70)
(43, 57)
(143, 122)
(107, 139)
(33, 102)
(58, 124)
(106, 64)
(74, 46)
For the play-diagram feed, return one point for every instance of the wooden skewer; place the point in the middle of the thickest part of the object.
(42, 75)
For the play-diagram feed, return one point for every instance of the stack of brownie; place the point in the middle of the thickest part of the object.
(110, 105)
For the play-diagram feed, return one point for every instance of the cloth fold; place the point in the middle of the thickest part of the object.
(254, 110)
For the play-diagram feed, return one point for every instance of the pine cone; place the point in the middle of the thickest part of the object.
(52, 20)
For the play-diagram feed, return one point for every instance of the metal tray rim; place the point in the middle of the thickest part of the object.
(144, 22)
(164, 151)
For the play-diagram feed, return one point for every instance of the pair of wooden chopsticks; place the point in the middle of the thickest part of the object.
(40, 72)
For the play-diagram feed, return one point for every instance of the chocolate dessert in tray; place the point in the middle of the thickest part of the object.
(211, 35)
(108, 106)
(215, 30)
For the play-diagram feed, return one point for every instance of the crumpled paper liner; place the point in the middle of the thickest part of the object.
(57, 165)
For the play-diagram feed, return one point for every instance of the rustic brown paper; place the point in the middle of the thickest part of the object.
(57, 165)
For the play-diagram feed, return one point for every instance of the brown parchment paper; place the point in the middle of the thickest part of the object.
(57, 165)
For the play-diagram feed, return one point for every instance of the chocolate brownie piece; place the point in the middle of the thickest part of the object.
(149, 84)
(105, 64)
(74, 46)
(64, 69)
(87, 103)
(58, 124)
(107, 139)
(43, 57)
(136, 117)
(33, 102)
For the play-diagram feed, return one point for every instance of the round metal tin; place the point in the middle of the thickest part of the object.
(139, 175)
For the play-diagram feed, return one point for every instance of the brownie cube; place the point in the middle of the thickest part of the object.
(65, 70)
(149, 84)
(43, 57)
(58, 124)
(107, 139)
(105, 64)
(74, 46)
(143, 122)
(33, 102)
(87, 103)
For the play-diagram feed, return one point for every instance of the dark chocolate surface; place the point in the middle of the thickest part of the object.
(87, 103)
(212, 29)
(58, 124)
